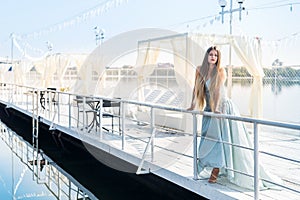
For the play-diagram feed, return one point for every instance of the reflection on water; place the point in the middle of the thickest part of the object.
(280, 98)
(22, 177)
(279, 83)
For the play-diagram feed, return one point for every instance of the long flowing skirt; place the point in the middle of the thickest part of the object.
(220, 146)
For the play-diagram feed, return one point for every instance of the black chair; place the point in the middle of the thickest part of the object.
(85, 109)
(48, 97)
(52, 96)
(91, 107)
(106, 104)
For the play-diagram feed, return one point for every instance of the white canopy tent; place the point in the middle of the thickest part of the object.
(46, 72)
(107, 53)
(184, 52)
(54, 67)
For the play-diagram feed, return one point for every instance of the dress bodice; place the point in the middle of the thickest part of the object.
(222, 96)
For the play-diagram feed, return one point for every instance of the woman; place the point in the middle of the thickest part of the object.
(218, 134)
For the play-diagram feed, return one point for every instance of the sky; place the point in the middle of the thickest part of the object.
(68, 25)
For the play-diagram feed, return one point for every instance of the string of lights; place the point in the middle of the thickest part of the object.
(103, 6)
(97, 10)
(261, 7)
(271, 5)
(275, 6)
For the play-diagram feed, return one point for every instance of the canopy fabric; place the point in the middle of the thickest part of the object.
(56, 65)
(188, 52)
(249, 51)
(48, 72)
(106, 54)
(5, 74)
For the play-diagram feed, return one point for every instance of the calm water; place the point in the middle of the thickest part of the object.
(280, 101)
(16, 174)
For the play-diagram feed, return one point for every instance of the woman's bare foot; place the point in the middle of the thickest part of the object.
(214, 175)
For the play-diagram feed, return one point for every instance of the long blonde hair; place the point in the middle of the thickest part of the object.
(218, 76)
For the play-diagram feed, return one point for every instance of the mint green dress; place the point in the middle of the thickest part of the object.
(213, 153)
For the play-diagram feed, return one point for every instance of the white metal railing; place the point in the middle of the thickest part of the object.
(63, 113)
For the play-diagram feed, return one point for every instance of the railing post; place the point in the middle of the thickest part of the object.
(48, 104)
(152, 128)
(256, 162)
(11, 92)
(123, 124)
(69, 104)
(195, 146)
(83, 113)
(58, 106)
(27, 101)
(100, 118)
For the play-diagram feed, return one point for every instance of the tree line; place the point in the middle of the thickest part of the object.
(283, 72)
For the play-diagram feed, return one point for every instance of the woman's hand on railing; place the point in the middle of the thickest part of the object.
(217, 112)
(190, 108)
